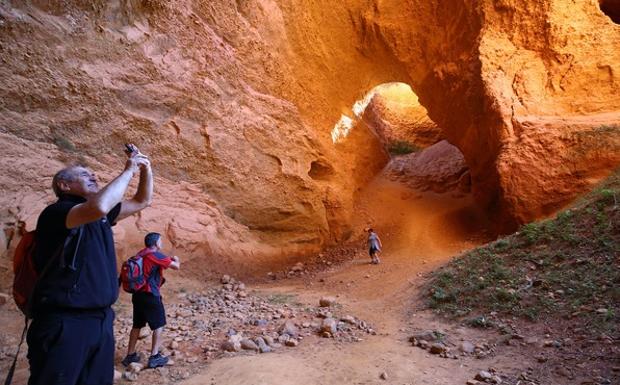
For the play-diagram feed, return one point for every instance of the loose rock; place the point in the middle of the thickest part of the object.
(291, 342)
(290, 329)
(130, 376)
(327, 301)
(467, 347)
(329, 325)
(483, 375)
(248, 344)
(262, 345)
(438, 348)
(135, 367)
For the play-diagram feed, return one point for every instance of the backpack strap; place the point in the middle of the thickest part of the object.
(71, 235)
(77, 245)
(58, 254)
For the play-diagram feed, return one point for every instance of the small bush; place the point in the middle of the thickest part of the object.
(531, 232)
(479, 322)
(501, 244)
(64, 144)
(441, 296)
(402, 147)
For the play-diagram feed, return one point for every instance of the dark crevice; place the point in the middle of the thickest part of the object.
(611, 8)
(320, 170)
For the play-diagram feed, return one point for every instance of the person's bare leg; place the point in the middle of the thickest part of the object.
(133, 340)
(156, 340)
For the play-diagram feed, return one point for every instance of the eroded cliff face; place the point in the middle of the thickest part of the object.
(236, 101)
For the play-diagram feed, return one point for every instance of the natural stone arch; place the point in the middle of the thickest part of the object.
(496, 88)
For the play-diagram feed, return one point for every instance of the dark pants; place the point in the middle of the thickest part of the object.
(148, 309)
(71, 348)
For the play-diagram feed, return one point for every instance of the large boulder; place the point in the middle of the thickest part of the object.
(439, 168)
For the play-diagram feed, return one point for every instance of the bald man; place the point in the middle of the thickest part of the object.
(70, 340)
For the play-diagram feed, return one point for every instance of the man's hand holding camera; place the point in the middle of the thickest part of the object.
(135, 159)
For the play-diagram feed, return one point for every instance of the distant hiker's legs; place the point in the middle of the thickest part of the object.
(372, 252)
(139, 321)
(375, 257)
(133, 340)
(157, 359)
(156, 340)
(132, 356)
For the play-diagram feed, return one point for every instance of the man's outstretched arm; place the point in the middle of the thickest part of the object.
(144, 195)
(176, 263)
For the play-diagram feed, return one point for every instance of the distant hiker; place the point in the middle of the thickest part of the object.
(71, 339)
(374, 246)
(148, 307)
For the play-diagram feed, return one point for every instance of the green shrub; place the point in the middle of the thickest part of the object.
(64, 144)
(531, 232)
(479, 322)
(402, 147)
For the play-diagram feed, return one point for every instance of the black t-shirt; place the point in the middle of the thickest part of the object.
(90, 280)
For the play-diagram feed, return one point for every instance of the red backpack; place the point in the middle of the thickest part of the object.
(132, 274)
(26, 276)
(26, 279)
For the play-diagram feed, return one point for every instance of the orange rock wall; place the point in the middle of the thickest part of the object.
(235, 101)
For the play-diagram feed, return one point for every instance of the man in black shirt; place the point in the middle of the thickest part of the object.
(70, 340)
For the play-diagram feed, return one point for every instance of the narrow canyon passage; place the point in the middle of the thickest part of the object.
(419, 230)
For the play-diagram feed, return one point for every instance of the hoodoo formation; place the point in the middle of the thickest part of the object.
(236, 103)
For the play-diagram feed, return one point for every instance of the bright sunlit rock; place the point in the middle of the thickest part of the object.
(342, 128)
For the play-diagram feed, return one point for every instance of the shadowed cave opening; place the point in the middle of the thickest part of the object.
(419, 154)
(611, 8)
(425, 180)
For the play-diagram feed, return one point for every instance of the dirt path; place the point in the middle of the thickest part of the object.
(419, 233)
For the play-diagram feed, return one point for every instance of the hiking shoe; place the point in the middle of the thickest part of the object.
(133, 357)
(157, 360)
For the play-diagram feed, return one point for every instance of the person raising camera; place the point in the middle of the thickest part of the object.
(71, 339)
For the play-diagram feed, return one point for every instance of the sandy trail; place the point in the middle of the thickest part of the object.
(419, 232)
